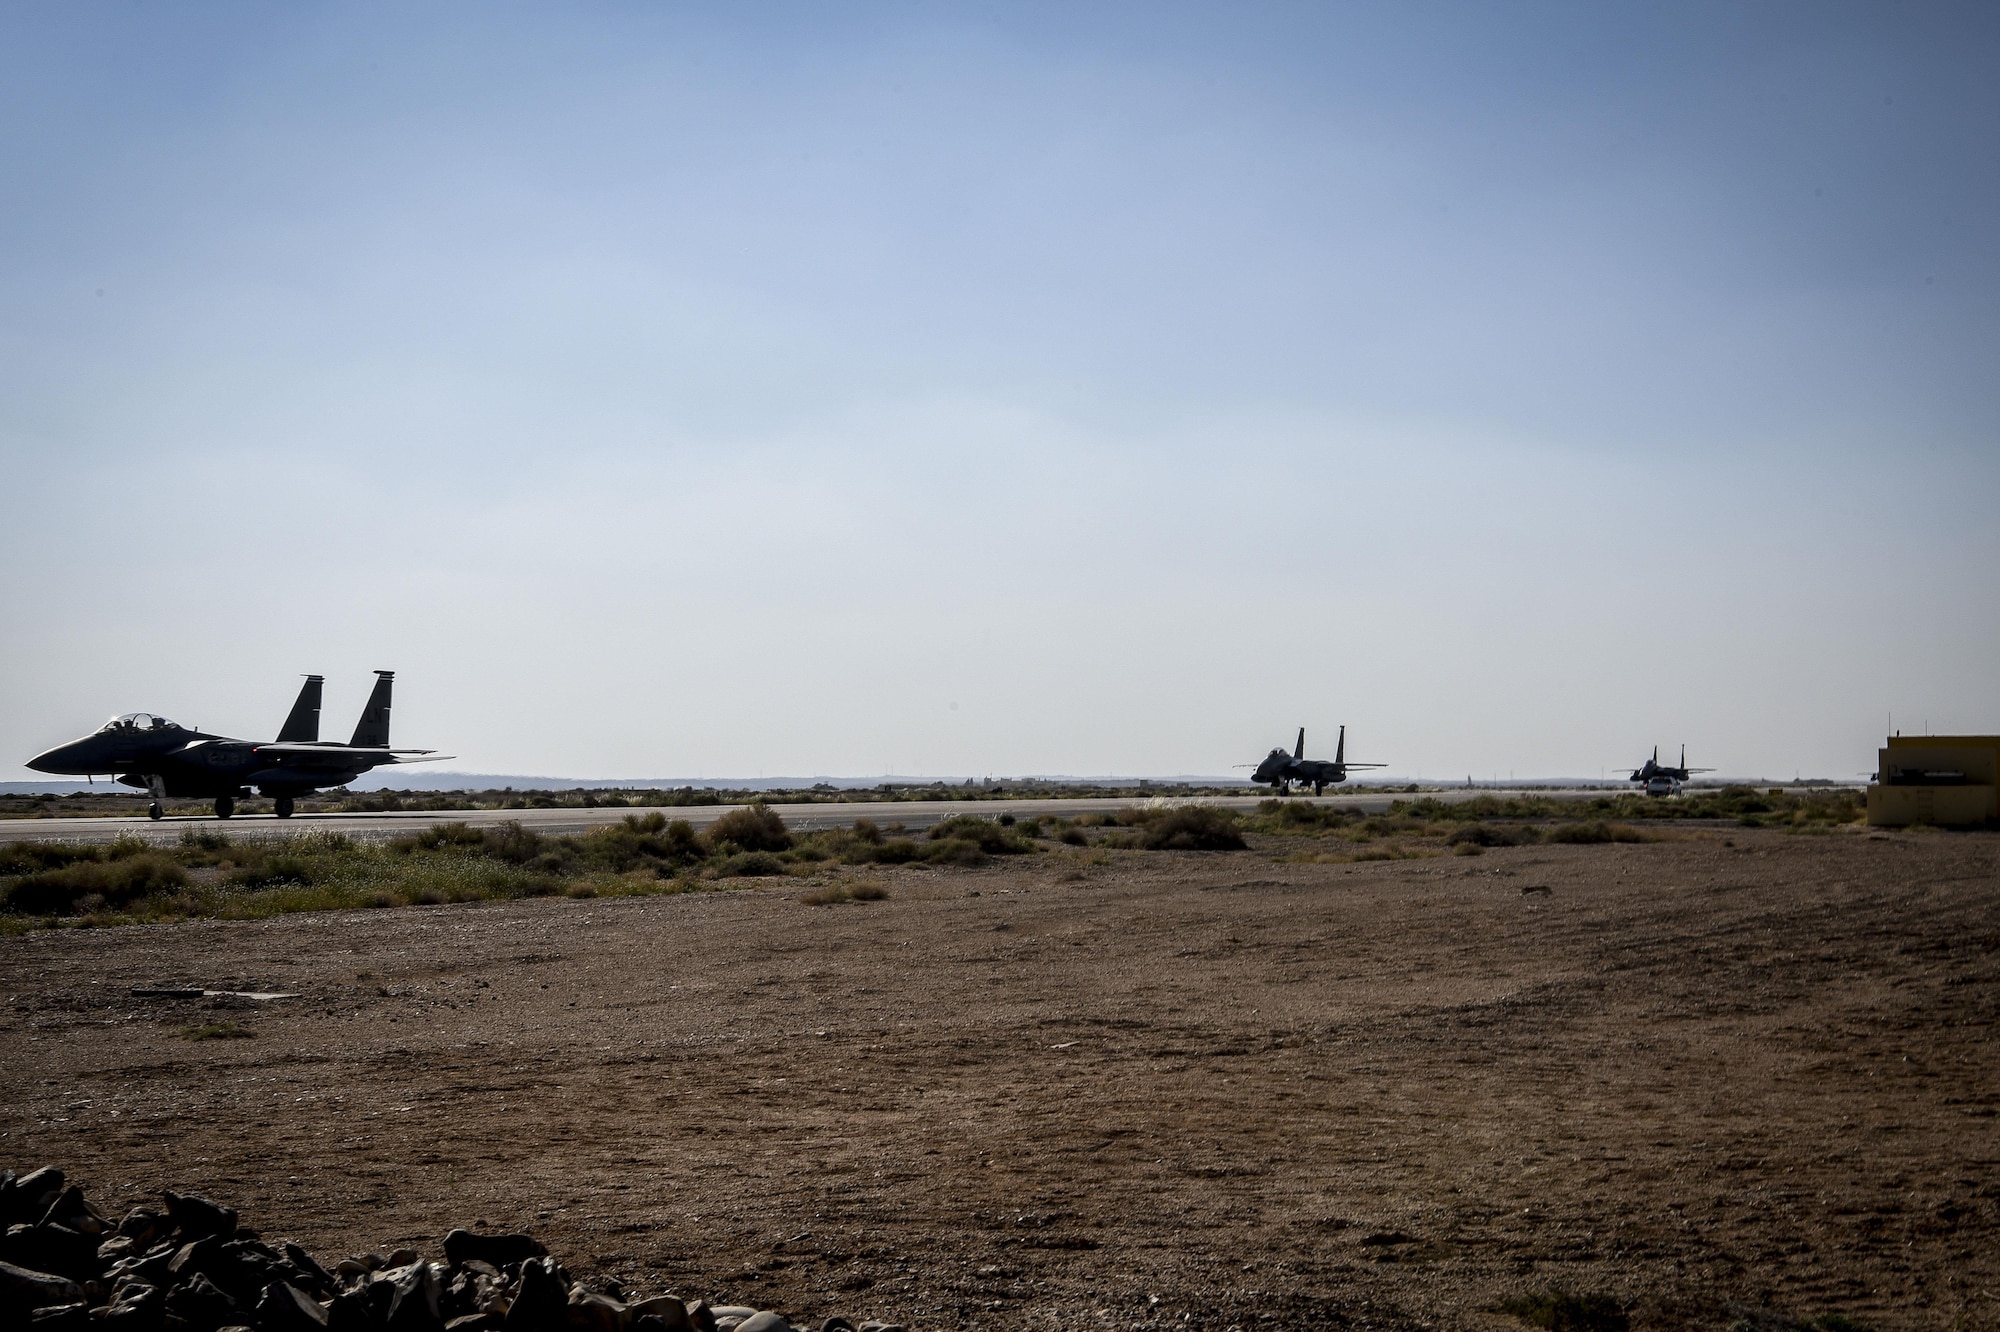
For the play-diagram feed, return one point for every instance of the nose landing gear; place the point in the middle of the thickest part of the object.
(282, 807)
(153, 811)
(224, 806)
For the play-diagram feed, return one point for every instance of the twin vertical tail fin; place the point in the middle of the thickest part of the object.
(1340, 750)
(302, 726)
(1299, 750)
(373, 729)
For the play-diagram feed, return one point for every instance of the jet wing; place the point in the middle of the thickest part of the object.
(338, 750)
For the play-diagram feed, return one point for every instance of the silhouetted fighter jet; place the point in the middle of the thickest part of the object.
(1281, 769)
(145, 750)
(1664, 781)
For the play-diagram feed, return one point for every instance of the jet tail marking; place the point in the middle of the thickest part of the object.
(372, 731)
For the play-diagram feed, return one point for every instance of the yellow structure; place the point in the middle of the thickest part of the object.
(1936, 779)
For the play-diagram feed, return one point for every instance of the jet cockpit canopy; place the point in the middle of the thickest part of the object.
(141, 721)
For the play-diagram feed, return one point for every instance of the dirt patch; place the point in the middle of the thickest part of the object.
(1175, 1089)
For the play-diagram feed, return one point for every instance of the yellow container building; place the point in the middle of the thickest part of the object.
(1944, 780)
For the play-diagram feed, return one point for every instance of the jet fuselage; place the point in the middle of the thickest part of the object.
(140, 747)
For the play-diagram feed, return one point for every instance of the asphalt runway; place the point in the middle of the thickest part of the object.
(912, 814)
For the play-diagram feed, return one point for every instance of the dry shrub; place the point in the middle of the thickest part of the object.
(1190, 828)
(754, 827)
(1596, 830)
(834, 894)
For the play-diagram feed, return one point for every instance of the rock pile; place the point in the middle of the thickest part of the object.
(188, 1267)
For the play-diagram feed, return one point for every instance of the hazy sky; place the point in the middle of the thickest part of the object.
(834, 389)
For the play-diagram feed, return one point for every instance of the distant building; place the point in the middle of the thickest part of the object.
(1944, 780)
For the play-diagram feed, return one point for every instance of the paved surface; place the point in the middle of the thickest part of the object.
(909, 813)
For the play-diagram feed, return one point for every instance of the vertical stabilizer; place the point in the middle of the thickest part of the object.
(1340, 750)
(373, 728)
(1299, 750)
(302, 726)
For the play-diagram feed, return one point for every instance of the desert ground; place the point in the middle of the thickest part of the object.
(1734, 1075)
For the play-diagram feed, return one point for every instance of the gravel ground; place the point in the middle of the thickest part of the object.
(1737, 1071)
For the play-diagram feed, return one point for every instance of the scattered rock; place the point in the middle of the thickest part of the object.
(199, 1302)
(462, 1247)
(27, 1199)
(190, 1268)
(23, 1289)
(195, 1216)
(667, 1310)
(591, 1312)
(62, 1318)
(286, 1308)
(764, 1321)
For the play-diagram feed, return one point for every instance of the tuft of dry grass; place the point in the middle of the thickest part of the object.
(833, 894)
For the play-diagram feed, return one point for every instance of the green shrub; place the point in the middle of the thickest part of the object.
(954, 851)
(1190, 828)
(639, 842)
(1294, 816)
(511, 842)
(987, 835)
(441, 837)
(58, 892)
(749, 864)
(754, 827)
(272, 870)
(32, 857)
(889, 851)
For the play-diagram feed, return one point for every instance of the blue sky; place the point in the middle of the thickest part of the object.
(726, 390)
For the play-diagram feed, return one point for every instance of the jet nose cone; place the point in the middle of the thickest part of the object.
(62, 759)
(49, 760)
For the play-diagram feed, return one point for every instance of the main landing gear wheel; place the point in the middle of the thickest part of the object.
(224, 807)
(282, 807)
(154, 811)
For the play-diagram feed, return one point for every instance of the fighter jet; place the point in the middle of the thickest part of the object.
(1281, 769)
(145, 750)
(1660, 781)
